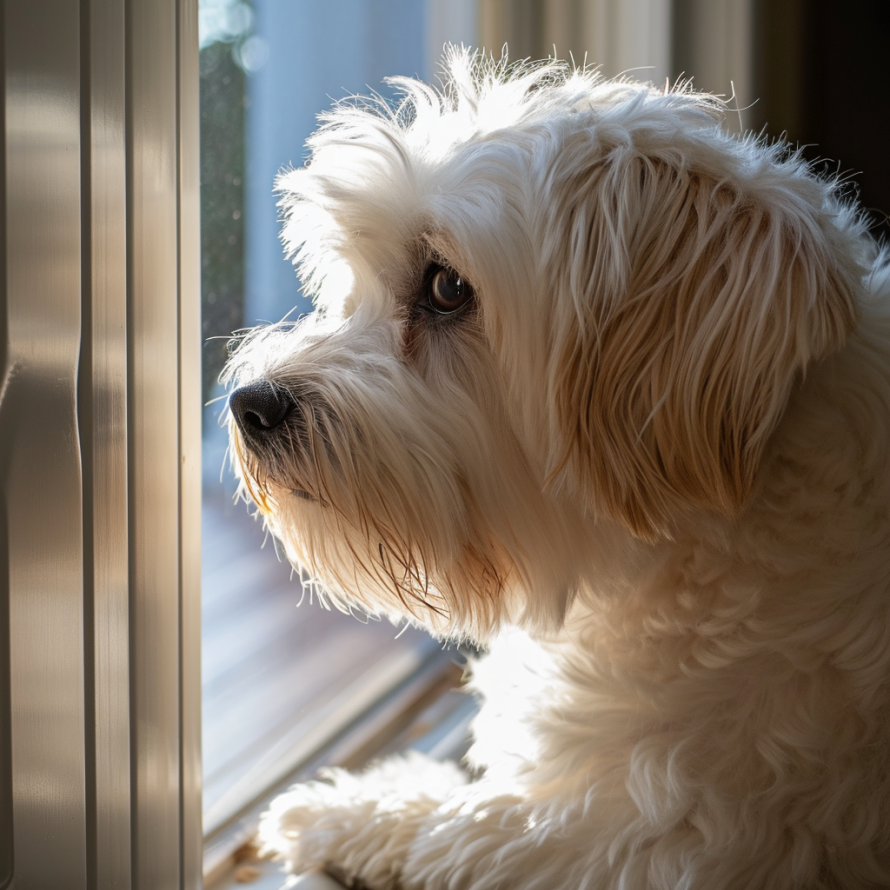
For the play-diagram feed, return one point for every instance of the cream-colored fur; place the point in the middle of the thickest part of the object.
(646, 463)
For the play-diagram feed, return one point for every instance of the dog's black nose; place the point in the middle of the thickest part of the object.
(259, 407)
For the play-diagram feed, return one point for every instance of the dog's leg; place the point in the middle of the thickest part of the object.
(487, 837)
(411, 824)
(359, 825)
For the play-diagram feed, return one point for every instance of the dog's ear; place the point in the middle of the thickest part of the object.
(690, 304)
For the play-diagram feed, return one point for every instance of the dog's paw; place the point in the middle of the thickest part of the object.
(358, 825)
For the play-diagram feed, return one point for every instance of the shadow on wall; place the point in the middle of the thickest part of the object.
(804, 72)
(822, 80)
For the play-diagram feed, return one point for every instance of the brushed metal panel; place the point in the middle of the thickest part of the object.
(154, 464)
(190, 442)
(103, 424)
(40, 451)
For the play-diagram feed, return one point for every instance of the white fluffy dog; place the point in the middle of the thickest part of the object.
(598, 386)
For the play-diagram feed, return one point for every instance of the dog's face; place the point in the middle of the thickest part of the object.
(554, 313)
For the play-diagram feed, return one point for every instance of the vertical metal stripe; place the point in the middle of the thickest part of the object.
(103, 407)
(190, 441)
(85, 425)
(41, 460)
(154, 471)
(5, 448)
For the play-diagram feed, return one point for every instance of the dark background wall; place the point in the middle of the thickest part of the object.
(821, 77)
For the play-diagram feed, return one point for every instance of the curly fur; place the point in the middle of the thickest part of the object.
(646, 465)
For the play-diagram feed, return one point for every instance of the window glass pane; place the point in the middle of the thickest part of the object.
(278, 679)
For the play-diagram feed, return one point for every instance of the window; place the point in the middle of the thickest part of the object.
(279, 682)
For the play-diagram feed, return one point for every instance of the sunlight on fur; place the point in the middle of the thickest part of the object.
(600, 387)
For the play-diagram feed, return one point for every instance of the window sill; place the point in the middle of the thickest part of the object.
(426, 713)
(268, 876)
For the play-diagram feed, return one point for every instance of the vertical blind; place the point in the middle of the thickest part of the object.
(99, 446)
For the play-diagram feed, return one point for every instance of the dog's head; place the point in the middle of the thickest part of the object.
(552, 311)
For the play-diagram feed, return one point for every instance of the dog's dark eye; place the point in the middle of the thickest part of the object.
(447, 291)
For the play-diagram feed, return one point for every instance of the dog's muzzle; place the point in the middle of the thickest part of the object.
(259, 408)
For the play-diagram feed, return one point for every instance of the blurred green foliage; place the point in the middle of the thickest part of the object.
(223, 103)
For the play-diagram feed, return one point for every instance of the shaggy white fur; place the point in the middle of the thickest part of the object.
(595, 384)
